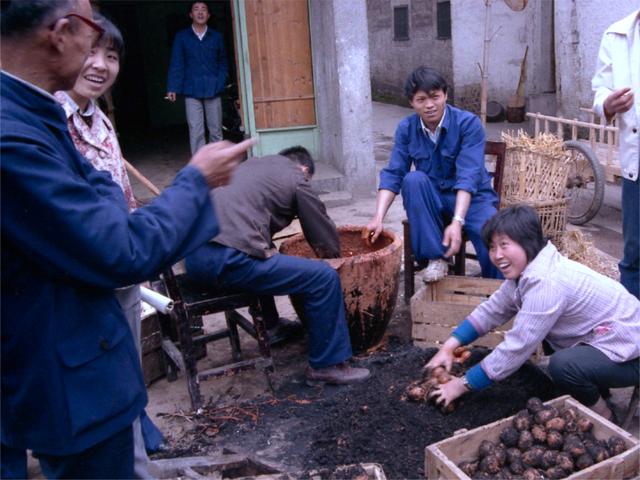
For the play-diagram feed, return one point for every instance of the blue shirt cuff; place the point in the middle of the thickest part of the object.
(477, 378)
(465, 332)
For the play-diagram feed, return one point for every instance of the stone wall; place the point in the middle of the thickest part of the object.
(393, 60)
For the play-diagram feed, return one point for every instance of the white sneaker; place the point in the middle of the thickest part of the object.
(436, 270)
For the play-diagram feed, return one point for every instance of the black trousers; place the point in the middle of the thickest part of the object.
(584, 372)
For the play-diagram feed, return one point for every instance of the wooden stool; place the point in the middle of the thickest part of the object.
(192, 301)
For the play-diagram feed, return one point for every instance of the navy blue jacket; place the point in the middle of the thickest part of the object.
(70, 373)
(455, 163)
(198, 68)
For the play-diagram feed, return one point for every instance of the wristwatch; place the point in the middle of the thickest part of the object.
(466, 383)
(459, 219)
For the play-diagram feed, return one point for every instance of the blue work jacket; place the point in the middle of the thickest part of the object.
(455, 163)
(198, 68)
(71, 376)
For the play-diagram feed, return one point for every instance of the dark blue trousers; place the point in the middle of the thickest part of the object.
(427, 209)
(112, 458)
(630, 263)
(13, 462)
(317, 282)
(584, 372)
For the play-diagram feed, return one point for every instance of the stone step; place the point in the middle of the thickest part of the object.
(336, 199)
(327, 179)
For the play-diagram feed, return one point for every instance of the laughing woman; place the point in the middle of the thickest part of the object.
(95, 138)
(590, 321)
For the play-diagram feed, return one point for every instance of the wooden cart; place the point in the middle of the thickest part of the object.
(593, 160)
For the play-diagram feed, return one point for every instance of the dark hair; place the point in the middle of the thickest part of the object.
(521, 224)
(425, 79)
(23, 16)
(191, 4)
(301, 155)
(111, 38)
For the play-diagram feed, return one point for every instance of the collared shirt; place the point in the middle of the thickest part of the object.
(436, 134)
(200, 35)
(618, 67)
(198, 67)
(97, 143)
(456, 162)
(565, 303)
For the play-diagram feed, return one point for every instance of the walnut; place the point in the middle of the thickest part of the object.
(522, 420)
(569, 413)
(534, 405)
(487, 447)
(556, 423)
(539, 434)
(513, 454)
(584, 461)
(554, 473)
(554, 439)
(469, 468)
(549, 459)
(584, 424)
(616, 446)
(525, 441)
(510, 436)
(565, 462)
(516, 466)
(543, 416)
(532, 474)
(574, 446)
(490, 464)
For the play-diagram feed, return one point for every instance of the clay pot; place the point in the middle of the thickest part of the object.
(369, 276)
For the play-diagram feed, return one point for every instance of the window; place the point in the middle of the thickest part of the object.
(444, 19)
(401, 23)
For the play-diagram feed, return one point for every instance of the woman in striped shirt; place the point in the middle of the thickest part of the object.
(590, 321)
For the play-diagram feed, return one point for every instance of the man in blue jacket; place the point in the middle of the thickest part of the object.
(198, 71)
(71, 378)
(450, 189)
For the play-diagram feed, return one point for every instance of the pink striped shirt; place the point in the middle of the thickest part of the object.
(565, 303)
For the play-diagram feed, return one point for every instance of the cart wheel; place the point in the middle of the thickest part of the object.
(585, 183)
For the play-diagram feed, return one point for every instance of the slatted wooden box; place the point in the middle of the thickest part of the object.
(439, 307)
(153, 361)
(442, 458)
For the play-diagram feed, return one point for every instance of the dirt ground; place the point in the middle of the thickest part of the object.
(299, 429)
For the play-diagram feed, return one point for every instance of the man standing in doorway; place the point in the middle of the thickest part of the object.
(198, 70)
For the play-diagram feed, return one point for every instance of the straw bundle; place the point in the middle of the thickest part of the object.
(578, 247)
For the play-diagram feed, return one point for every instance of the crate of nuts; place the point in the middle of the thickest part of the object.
(557, 439)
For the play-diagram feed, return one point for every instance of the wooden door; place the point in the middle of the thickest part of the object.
(280, 63)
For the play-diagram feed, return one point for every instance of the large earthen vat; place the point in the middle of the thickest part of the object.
(369, 276)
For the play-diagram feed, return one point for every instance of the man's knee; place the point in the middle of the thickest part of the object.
(414, 180)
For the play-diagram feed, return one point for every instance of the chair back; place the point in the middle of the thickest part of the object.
(497, 149)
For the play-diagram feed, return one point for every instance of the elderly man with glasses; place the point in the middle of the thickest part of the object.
(71, 379)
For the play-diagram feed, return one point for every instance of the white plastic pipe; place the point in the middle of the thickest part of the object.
(159, 302)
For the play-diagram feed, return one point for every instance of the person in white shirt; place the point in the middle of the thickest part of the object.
(616, 85)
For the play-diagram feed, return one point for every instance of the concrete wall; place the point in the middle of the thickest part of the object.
(341, 68)
(392, 60)
(511, 33)
(579, 25)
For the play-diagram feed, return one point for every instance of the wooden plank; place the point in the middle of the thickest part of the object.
(441, 458)
(280, 62)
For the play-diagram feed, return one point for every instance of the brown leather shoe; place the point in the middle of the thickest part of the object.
(341, 374)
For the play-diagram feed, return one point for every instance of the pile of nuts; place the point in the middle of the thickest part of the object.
(419, 390)
(542, 442)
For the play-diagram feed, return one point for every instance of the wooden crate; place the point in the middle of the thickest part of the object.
(439, 307)
(442, 458)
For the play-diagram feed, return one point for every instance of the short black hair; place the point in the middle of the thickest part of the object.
(191, 4)
(301, 155)
(23, 16)
(112, 37)
(521, 224)
(425, 79)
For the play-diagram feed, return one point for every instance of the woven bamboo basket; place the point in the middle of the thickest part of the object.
(531, 176)
(553, 217)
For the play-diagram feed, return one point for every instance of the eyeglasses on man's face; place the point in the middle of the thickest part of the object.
(97, 29)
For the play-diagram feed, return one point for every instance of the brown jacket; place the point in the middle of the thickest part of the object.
(264, 196)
